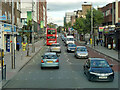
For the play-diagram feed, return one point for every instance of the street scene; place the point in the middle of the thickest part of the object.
(59, 45)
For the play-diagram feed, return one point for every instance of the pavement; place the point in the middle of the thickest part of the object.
(103, 50)
(21, 59)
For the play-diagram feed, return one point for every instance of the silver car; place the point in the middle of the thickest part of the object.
(50, 60)
(55, 47)
(81, 52)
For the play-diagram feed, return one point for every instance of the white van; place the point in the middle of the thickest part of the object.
(69, 39)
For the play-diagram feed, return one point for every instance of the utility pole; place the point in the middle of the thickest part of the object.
(13, 44)
(91, 25)
(33, 47)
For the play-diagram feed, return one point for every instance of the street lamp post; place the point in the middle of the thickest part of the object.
(13, 44)
(91, 32)
(33, 47)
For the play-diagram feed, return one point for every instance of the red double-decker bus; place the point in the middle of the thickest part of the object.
(51, 36)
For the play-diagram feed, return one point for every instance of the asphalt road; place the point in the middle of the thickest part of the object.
(69, 75)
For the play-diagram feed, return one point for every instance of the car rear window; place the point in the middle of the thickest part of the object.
(82, 49)
(49, 57)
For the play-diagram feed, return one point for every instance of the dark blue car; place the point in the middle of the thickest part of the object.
(98, 69)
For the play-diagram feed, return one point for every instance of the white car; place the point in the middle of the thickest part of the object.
(55, 48)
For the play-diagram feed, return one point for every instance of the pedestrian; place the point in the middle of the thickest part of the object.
(97, 41)
(17, 46)
(101, 41)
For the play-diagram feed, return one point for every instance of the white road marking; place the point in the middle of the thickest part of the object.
(59, 77)
(51, 78)
(29, 72)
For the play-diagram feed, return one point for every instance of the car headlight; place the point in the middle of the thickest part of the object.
(101, 74)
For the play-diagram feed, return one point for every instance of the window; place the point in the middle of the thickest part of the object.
(51, 37)
(51, 31)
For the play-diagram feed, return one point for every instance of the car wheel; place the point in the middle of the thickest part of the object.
(89, 78)
(42, 67)
(57, 67)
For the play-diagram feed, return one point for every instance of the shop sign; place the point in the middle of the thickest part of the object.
(8, 28)
(106, 30)
(101, 29)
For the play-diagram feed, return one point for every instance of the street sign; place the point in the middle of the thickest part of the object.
(101, 29)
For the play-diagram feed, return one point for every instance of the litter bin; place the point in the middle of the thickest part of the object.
(109, 46)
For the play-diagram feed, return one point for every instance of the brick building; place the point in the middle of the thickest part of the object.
(109, 13)
(42, 14)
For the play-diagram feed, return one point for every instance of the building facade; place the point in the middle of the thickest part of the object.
(42, 16)
(109, 12)
(7, 24)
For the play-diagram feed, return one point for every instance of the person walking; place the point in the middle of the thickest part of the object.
(17, 46)
(101, 41)
(97, 41)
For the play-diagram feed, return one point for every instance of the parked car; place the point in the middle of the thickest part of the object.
(55, 48)
(98, 69)
(71, 47)
(81, 52)
(50, 59)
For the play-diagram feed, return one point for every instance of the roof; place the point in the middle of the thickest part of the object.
(50, 53)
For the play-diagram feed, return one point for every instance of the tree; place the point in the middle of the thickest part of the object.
(79, 25)
(97, 19)
(67, 25)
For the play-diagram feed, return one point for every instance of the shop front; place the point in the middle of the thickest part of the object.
(110, 38)
(7, 37)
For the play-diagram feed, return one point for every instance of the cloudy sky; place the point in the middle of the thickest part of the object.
(57, 8)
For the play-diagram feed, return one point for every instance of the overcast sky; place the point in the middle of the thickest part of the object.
(57, 8)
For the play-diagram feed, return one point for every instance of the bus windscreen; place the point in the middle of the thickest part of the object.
(51, 31)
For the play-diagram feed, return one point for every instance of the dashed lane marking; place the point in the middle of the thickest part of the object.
(51, 78)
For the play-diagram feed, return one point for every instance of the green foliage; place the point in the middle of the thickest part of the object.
(79, 25)
(84, 25)
(67, 25)
(51, 25)
(97, 19)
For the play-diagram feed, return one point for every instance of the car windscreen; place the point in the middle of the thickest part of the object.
(51, 37)
(82, 49)
(99, 63)
(70, 39)
(51, 32)
(71, 45)
(49, 57)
